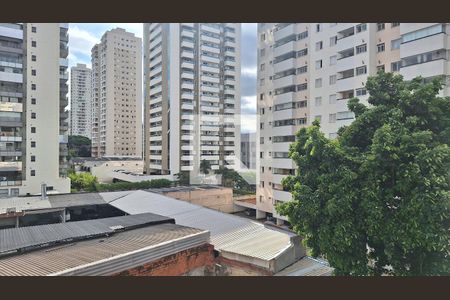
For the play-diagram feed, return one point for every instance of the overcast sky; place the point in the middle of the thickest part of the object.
(82, 36)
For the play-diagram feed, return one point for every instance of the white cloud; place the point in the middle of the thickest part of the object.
(251, 72)
(248, 103)
(248, 123)
(81, 41)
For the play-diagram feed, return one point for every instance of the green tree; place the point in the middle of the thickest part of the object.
(205, 166)
(82, 181)
(182, 178)
(376, 200)
(79, 146)
(232, 179)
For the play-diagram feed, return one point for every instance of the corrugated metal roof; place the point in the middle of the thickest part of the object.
(76, 199)
(105, 255)
(228, 232)
(15, 239)
(307, 266)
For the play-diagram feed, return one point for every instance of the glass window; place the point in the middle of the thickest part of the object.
(421, 33)
(395, 44)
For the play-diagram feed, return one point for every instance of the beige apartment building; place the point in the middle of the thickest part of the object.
(192, 96)
(117, 95)
(80, 101)
(33, 97)
(309, 71)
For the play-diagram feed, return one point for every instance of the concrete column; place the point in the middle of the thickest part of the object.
(17, 221)
(260, 214)
(280, 222)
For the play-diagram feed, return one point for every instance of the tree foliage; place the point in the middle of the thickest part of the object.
(82, 181)
(376, 200)
(79, 146)
(232, 179)
(205, 166)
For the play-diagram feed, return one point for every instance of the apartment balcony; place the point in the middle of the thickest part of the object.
(281, 195)
(210, 138)
(209, 108)
(229, 110)
(187, 44)
(284, 32)
(10, 166)
(285, 48)
(210, 128)
(155, 110)
(10, 182)
(230, 81)
(284, 114)
(210, 39)
(230, 63)
(209, 157)
(64, 62)
(155, 80)
(229, 138)
(230, 72)
(210, 98)
(155, 71)
(187, 168)
(187, 127)
(187, 54)
(229, 148)
(209, 78)
(187, 86)
(187, 147)
(281, 147)
(155, 128)
(283, 98)
(156, 90)
(187, 117)
(211, 89)
(155, 167)
(155, 61)
(185, 137)
(210, 49)
(209, 147)
(155, 147)
(187, 65)
(230, 44)
(283, 163)
(187, 157)
(428, 69)
(214, 60)
(10, 151)
(10, 122)
(187, 96)
(428, 44)
(187, 33)
(154, 43)
(10, 138)
(11, 77)
(276, 178)
(187, 106)
(284, 130)
(11, 31)
(187, 75)
(284, 81)
(155, 101)
(284, 65)
(229, 91)
(229, 101)
(155, 138)
(209, 28)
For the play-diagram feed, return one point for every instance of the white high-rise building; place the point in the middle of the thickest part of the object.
(80, 101)
(192, 96)
(33, 96)
(309, 71)
(117, 95)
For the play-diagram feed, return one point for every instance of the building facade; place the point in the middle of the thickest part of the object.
(33, 92)
(117, 95)
(80, 101)
(192, 96)
(309, 71)
(248, 150)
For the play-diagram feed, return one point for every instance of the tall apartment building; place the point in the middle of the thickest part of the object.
(192, 96)
(248, 150)
(309, 71)
(33, 96)
(117, 95)
(80, 101)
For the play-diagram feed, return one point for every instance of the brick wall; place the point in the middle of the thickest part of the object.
(194, 261)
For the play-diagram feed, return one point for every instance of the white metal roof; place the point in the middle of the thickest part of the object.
(228, 232)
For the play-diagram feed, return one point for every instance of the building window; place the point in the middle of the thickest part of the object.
(302, 52)
(333, 41)
(33, 57)
(395, 44)
(33, 129)
(33, 72)
(395, 66)
(422, 33)
(318, 101)
(261, 154)
(380, 68)
(33, 144)
(263, 37)
(318, 64)
(33, 158)
(361, 48)
(33, 100)
(361, 92)
(361, 70)
(380, 26)
(318, 118)
(33, 115)
(302, 87)
(33, 43)
(319, 45)
(361, 27)
(318, 83)
(33, 29)
(33, 86)
(261, 68)
(332, 118)
(262, 52)
(333, 60)
(332, 99)
(318, 27)
(332, 79)
(261, 125)
(261, 81)
(303, 35)
(302, 70)
(261, 96)
(380, 47)
(33, 173)
(395, 24)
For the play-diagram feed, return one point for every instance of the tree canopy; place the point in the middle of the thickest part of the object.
(376, 200)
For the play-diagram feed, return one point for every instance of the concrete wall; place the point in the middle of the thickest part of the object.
(103, 170)
(220, 199)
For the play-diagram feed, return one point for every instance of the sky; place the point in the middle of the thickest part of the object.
(83, 36)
